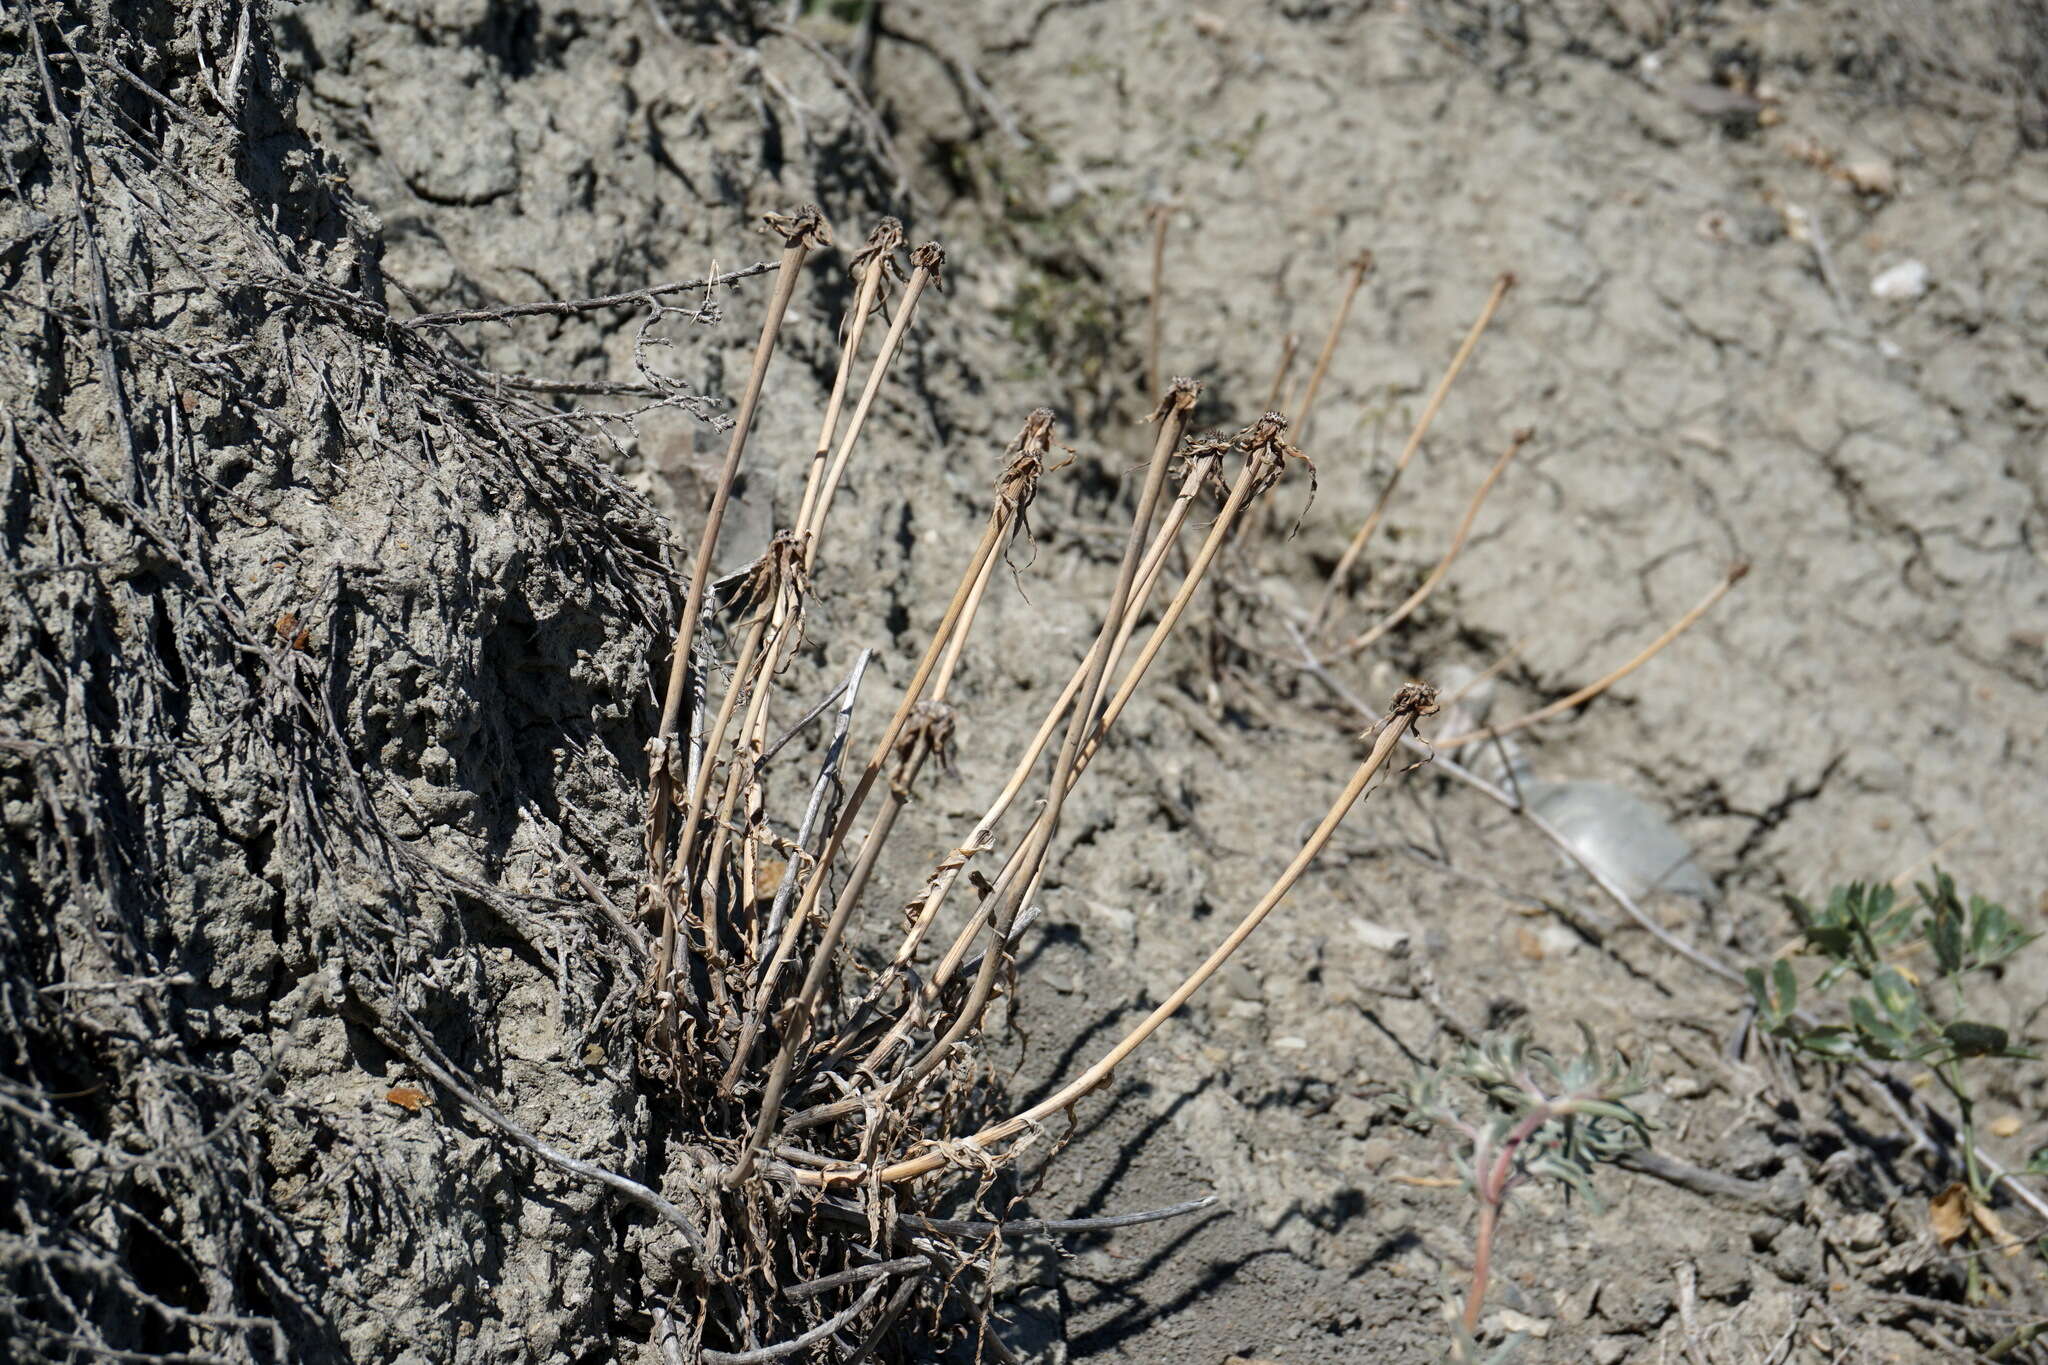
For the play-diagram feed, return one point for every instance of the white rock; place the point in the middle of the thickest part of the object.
(1903, 283)
(1380, 938)
(1508, 1320)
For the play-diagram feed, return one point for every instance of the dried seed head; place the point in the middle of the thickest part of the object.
(1362, 264)
(1210, 446)
(1262, 434)
(1269, 453)
(1180, 396)
(1036, 436)
(931, 258)
(1415, 699)
(883, 243)
(805, 228)
(1019, 481)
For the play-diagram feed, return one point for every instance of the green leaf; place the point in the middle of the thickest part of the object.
(1787, 986)
(1897, 997)
(1755, 977)
(1879, 1034)
(1832, 1040)
(1976, 1040)
(1945, 936)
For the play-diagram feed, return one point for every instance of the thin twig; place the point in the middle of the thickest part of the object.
(902, 1265)
(789, 1348)
(563, 307)
(1735, 574)
(1025, 1227)
(828, 774)
(1360, 267)
(623, 1186)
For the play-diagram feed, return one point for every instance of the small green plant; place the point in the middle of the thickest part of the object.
(1541, 1117)
(1866, 932)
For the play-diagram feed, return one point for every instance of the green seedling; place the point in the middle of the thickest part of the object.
(1540, 1116)
(1863, 932)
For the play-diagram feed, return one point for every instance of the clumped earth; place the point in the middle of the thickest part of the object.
(328, 653)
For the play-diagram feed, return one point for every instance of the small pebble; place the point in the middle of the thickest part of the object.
(1508, 1320)
(1903, 283)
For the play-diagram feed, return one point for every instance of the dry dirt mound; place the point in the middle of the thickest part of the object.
(315, 643)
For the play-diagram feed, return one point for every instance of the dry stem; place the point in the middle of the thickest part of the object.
(801, 232)
(1360, 266)
(1365, 639)
(1593, 689)
(871, 266)
(1341, 573)
(928, 260)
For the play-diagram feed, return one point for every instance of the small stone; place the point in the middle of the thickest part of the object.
(2005, 1126)
(1903, 283)
(1871, 175)
(1379, 938)
(1861, 1231)
(1290, 1043)
(1609, 1350)
(1508, 1320)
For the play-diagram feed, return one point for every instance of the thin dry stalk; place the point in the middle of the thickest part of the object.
(1367, 638)
(929, 732)
(1289, 345)
(1340, 574)
(1593, 689)
(1015, 491)
(1265, 456)
(1413, 701)
(766, 586)
(928, 260)
(1008, 897)
(1360, 267)
(924, 910)
(801, 232)
(871, 267)
(1162, 214)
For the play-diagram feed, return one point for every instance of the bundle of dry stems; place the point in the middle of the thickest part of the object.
(821, 1090)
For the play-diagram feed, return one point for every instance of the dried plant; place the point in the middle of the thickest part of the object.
(811, 1097)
